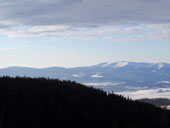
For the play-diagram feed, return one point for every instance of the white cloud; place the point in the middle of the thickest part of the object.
(85, 19)
(118, 33)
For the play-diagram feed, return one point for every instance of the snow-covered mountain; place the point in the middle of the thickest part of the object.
(116, 76)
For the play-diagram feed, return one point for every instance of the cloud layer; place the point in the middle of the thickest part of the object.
(117, 33)
(55, 17)
(85, 12)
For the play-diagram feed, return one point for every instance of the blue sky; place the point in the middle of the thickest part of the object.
(47, 51)
(63, 35)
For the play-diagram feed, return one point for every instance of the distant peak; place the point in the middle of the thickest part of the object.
(114, 64)
(121, 64)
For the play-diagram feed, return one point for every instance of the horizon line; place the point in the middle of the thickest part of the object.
(13, 66)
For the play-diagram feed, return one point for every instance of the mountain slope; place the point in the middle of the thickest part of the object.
(116, 76)
(42, 103)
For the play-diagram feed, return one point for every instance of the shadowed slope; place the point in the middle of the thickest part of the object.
(42, 103)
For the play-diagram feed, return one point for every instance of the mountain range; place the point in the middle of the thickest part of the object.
(116, 76)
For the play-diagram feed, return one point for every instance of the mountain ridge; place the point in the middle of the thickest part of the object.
(119, 76)
(102, 63)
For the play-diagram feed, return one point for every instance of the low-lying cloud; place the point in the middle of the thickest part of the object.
(151, 93)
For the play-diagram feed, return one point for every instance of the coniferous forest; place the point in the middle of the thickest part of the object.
(47, 103)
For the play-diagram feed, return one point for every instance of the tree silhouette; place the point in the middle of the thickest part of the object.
(51, 103)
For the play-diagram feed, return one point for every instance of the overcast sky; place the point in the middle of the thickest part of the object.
(71, 33)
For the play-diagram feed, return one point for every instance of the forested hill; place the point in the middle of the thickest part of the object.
(42, 103)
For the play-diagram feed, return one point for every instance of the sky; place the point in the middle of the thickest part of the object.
(73, 33)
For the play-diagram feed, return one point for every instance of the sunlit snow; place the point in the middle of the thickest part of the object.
(150, 93)
(96, 76)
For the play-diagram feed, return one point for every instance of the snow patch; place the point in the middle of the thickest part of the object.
(78, 75)
(166, 107)
(150, 93)
(160, 65)
(121, 64)
(97, 76)
(104, 84)
(163, 82)
(106, 64)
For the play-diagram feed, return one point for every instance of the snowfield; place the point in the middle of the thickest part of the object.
(150, 93)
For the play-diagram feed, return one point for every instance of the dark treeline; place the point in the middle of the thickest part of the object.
(42, 103)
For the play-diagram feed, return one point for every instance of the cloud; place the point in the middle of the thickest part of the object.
(71, 17)
(85, 12)
(117, 33)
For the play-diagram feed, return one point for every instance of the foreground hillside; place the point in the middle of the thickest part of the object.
(42, 103)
